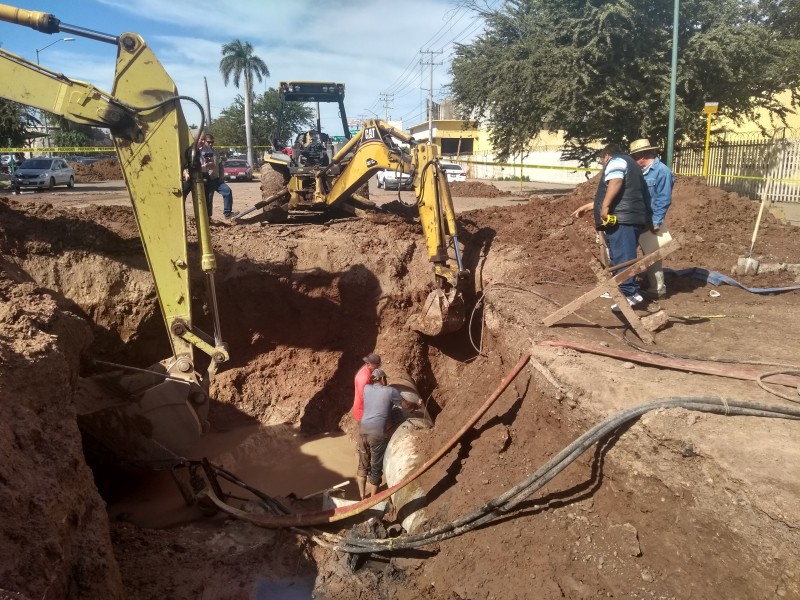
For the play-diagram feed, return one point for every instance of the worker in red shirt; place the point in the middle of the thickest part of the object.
(371, 362)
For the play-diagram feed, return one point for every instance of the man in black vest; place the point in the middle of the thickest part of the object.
(621, 211)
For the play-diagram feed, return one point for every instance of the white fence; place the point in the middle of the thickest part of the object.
(757, 168)
(543, 166)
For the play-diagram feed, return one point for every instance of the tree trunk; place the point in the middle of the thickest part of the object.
(248, 126)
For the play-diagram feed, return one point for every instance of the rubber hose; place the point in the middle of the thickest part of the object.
(512, 497)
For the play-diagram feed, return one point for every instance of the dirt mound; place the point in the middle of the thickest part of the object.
(714, 227)
(105, 169)
(476, 189)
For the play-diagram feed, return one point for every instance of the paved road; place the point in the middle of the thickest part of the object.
(245, 194)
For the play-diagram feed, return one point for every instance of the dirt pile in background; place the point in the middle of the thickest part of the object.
(476, 189)
(104, 169)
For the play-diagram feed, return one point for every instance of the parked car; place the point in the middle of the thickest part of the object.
(237, 169)
(454, 172)
(391, 179)
(42, 173)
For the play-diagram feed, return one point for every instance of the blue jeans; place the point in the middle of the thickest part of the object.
(623, 243)
(219, 185)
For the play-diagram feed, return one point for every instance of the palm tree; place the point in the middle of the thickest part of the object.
(238, 60)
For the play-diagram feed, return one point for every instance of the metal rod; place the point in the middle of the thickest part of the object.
(90, 33)
(673, 85)
(214, 310)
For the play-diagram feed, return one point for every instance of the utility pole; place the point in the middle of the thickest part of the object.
(430, 54)
(208, 106)
(386, 99)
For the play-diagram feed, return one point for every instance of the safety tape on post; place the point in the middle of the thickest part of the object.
(524, 166)
(597, 170)
(89, 149)
(726, 176)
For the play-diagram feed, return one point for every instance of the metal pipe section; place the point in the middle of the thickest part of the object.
(402, 456)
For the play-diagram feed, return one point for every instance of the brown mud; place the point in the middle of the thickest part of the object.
(676, 505)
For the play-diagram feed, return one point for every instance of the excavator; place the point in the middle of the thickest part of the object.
(156, 414)
(317, 177)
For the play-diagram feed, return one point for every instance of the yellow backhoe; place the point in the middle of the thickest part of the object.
(160, 412)
(314, 175)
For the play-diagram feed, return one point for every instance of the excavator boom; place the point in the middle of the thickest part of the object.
(151, 138)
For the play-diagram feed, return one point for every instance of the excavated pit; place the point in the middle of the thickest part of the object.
(677, 505)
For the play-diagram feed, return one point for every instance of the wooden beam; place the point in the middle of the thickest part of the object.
(611, 284)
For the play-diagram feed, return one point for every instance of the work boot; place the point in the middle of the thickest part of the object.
(362, 484)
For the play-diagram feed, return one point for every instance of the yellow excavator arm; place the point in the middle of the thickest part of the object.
(373, 148)
(152, 141)
(335, 182)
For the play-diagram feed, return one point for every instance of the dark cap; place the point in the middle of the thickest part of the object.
(377, 374)
(373, 359)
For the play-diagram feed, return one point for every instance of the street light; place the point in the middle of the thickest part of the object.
(66, 39)
(44, 118)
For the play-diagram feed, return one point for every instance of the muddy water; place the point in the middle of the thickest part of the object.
(276, 460)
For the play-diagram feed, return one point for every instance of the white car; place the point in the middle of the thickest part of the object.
(43, 173)
(391, 179)
(454, 172)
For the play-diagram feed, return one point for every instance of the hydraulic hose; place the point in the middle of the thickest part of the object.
(509, 500)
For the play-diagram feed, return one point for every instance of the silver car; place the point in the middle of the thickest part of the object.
(43, 173)
(390, 179)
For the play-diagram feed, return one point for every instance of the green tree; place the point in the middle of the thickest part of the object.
(14, 121)
(69, 138)
(228, 129)
(238, 61)
(599, 70)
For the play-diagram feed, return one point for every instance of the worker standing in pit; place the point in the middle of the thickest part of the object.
(379, 399)
(371, 362)
(660, 180)
(621, 211)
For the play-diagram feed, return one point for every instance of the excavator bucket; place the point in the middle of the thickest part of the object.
(441, 313)
(141, 418)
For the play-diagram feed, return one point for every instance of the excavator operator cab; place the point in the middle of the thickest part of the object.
(312, 148)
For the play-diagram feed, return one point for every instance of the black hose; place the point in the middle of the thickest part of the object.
(514, 496)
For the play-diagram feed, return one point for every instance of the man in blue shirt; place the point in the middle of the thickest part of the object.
(659, 180)
(621, 211)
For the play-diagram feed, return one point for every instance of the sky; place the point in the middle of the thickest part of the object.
(373, 47)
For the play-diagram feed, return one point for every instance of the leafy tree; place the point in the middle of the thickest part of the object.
(227, 127)
(600, 69)
(238, 61)
(14, 121)
(67, 138)
(90, 136)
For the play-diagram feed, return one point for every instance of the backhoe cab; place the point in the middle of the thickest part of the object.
(315, 175)
(155, 414)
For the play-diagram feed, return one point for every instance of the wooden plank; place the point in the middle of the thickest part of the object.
(705, 367)
(612, 283)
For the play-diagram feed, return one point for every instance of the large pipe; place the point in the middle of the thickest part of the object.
(403, 457)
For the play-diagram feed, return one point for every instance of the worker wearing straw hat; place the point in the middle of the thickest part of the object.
(660, 180)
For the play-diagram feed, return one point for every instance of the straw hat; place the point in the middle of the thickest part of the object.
(642, 145)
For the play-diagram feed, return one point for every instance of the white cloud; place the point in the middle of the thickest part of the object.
(371, 46)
